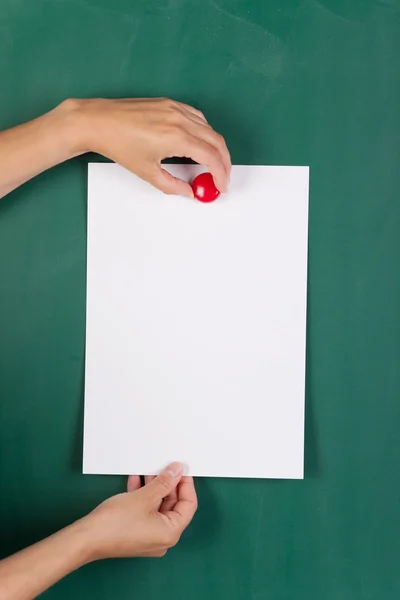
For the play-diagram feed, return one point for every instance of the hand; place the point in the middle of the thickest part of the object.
(140, 133)
(144, 521)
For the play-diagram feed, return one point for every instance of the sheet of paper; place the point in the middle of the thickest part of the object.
(196, 324)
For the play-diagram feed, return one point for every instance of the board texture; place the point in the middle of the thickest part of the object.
(296, 82)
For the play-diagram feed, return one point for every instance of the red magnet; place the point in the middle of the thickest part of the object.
(204, 188)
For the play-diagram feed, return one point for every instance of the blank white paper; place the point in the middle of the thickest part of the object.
(196, 325)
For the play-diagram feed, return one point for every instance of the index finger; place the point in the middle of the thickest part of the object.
(186, 505)
(204, 153)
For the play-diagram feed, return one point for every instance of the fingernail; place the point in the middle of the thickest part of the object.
(174, 469)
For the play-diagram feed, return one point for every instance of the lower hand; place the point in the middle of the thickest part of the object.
(143, 521)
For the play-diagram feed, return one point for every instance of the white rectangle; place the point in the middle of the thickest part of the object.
(196, 324)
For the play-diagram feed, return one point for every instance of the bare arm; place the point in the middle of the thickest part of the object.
(137, 133)
(28, 573)
(136, 523)
(34, 147)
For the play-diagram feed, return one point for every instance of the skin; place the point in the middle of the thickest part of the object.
(138, 134)
(141, 522)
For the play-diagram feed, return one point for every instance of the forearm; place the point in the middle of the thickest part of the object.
(31, 148)
(28, 573)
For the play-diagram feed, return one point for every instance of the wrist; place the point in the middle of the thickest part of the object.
(92, 533)
(81, 537)
(83, 120)
(75, 123)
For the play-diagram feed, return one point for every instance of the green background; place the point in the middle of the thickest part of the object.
(286, 82)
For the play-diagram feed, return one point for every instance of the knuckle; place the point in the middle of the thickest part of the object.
(172, 108)
(168, 103)
(169, 109)
(220, 139)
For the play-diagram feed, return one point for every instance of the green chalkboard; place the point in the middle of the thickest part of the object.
(300, 82)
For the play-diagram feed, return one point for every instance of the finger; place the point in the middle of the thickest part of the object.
(169, 502)
(193, 110)
(133, 483)
(169, 184)
(148, 479)
(164, 483)
(186, 505)
(214, 139)
(206, 154)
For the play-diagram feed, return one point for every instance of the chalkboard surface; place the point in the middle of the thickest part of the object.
(297, 82)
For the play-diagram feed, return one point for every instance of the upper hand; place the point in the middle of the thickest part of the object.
(140, 133)
(143, 521)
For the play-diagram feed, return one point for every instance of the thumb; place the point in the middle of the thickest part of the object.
(165, 482)
(169, 184)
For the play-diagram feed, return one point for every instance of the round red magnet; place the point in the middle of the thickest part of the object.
(204, 188)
